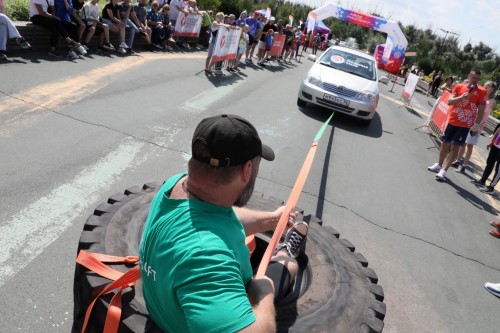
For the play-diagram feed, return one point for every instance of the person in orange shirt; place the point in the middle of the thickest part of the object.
(465, 113)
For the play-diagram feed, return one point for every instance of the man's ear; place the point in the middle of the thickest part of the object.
(246, 171)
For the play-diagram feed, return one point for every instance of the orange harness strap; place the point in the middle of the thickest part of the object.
(290, 205)
(292, 201)
(93, 261)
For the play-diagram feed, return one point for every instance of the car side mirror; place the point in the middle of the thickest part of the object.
(311, 57)
(384, 80)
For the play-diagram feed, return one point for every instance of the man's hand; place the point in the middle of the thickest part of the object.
(474, 130)
(291, 219)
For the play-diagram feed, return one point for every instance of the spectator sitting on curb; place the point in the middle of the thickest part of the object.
(167, 26)
(9, 31)
(156, 24)
(92, 19)
(141, 14)
(42, 13)
(111, 17)
(64, 11)
(128, 16)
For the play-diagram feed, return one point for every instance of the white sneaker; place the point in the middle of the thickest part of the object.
(81, 50)
(435, 167)
(441, 176)
(123, 45)
(493, 288)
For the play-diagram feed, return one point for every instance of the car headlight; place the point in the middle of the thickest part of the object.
(367, 96)
(314, 80)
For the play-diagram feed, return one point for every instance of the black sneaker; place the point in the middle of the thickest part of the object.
(3, 57)
(295, 240)
(487, 190)
(23, 43)
(456, 163)
(478, 182)
(74, 44)
(103, 49)
(130, 51)
(108, 47)
(460, 169)
(53, 53)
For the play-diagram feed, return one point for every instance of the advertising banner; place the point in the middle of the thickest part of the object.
(226, 45)
(396, 43)
(278, 43)
(409, 89)
(187, 25)
(440, 116)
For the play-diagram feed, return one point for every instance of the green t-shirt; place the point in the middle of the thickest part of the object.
(194, 265)
(205, 20)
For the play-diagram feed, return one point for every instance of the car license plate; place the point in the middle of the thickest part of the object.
(337, 100)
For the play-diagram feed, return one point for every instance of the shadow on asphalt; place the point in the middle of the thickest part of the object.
(472, 198)
(344, 121)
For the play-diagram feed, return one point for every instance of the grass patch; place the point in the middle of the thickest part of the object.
(18, 10)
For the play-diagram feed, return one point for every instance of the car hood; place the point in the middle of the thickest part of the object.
(346, 80)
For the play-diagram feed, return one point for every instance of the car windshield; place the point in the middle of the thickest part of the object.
(350, 63)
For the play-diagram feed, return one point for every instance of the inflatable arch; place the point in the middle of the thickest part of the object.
(395, 45)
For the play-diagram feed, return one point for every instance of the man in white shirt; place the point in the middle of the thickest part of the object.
(90, 15)
(42, 13)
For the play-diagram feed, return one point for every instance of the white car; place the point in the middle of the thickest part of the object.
(344, 80)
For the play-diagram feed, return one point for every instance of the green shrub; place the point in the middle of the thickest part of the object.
(18, 10)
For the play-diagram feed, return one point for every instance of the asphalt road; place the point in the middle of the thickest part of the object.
(74, 133)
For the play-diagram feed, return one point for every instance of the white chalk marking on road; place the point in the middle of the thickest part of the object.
(28, 232)
(204, 99)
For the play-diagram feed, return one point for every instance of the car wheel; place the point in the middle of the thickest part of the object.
(335, 290)
(301, 103)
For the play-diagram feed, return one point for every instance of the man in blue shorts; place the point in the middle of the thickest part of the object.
(466, 109)
(254, 27)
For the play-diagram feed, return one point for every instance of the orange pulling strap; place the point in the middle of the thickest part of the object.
(92, 261)
(291, 203)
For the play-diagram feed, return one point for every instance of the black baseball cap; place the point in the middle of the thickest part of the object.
(230, 140)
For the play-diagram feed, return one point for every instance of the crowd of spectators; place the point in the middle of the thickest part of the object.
(79, 21)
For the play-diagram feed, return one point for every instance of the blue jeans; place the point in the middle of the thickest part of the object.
(132, 30)
(7, 31)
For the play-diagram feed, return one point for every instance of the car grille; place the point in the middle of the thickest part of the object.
(339, 90)
(334, 106)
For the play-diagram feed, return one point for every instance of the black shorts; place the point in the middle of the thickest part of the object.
(98, 28)
(455, 135)
(252, 40)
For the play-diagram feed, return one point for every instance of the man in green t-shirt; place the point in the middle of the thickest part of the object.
(194, 263)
